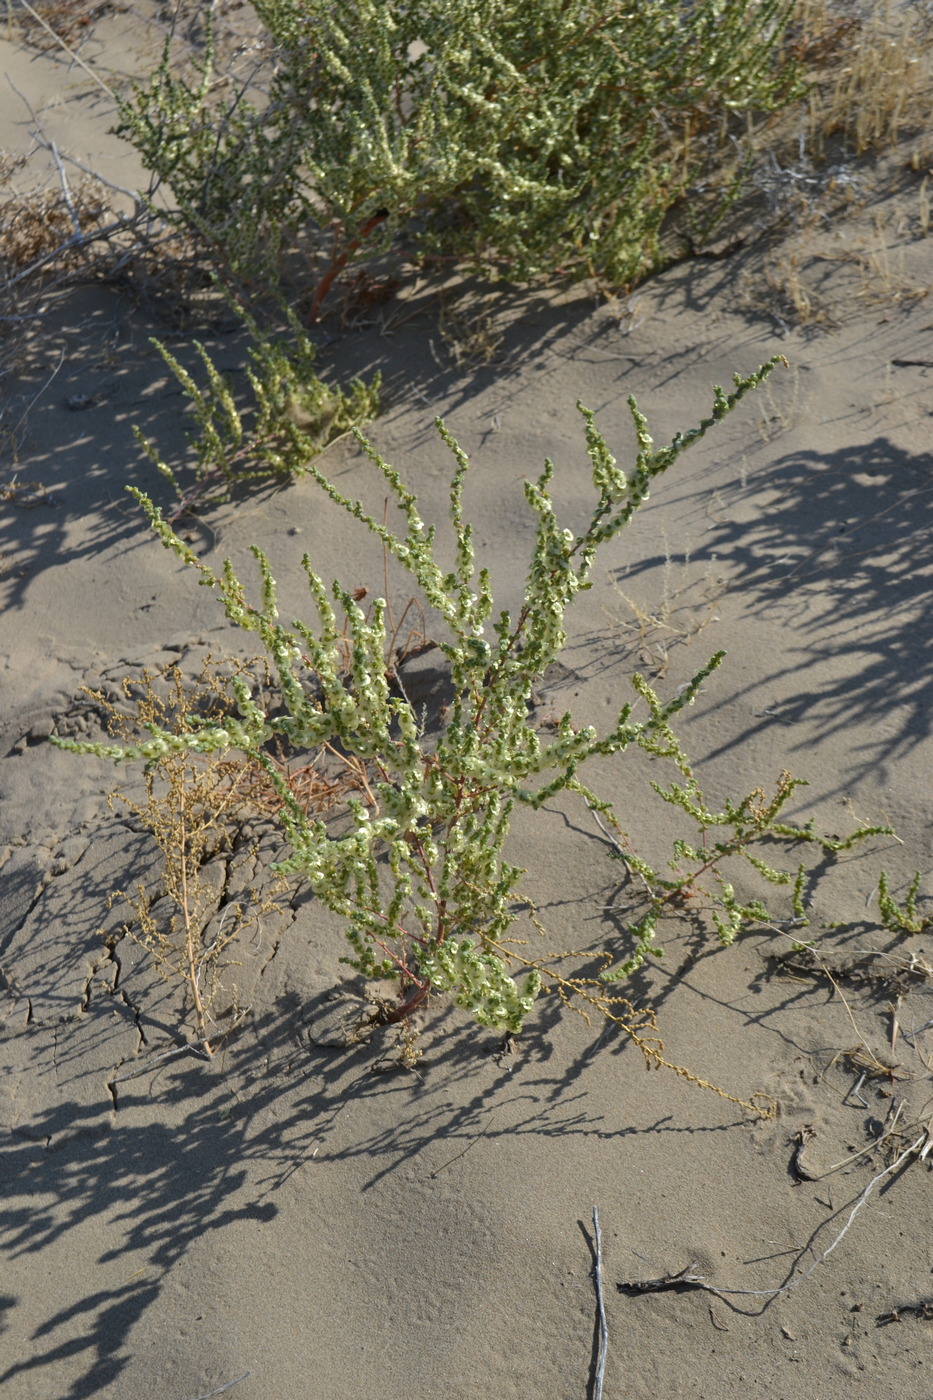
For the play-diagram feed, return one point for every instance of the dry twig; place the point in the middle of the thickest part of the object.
(687, 1278)
(603, 1326)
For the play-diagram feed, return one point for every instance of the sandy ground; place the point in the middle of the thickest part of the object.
(286, 1217)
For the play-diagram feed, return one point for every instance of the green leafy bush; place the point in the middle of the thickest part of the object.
(551, 137)
(415, 861)
(421, 879)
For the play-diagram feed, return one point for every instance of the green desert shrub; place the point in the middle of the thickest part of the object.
(418, 872)
(552, 137)
(417, 869)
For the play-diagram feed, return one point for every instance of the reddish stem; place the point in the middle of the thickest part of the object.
(339, 259)
(413, 998)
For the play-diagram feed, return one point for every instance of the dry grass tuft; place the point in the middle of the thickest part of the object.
(44, 224)
(876, 83)
(468, 328)
(207, 816)
(71, 20)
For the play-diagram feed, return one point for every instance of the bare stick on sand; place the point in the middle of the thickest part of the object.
(603, 1328)
(221, 1388)
(687, 1278)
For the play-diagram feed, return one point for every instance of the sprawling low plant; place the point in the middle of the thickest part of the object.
(419, 874)
(524, 138)
(730, 842)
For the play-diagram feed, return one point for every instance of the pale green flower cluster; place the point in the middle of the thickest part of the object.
(480, 983)
(427, 864)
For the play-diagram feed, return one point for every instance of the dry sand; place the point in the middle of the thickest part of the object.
(286, 1211)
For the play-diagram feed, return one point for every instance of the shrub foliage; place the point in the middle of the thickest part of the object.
(419, 873)
(522, 138)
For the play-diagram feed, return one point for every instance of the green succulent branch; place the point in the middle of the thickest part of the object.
(292, 417)
(896, 918)
(745, 827)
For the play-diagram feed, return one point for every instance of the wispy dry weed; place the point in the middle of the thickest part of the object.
(214, 891)
(682, 607)
(70, 20)
(469, 331)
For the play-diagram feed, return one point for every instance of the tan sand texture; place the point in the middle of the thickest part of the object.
(307, 1215)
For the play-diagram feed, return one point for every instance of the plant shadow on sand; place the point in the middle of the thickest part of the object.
(191, 1160)
(187, 1150)
(840, 555)
(74, 398)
